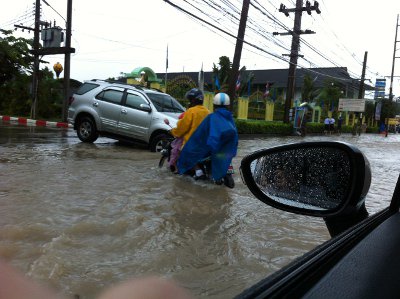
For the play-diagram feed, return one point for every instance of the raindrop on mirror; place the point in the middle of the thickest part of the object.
(314, 178)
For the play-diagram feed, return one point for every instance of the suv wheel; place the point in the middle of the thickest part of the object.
(86, 130)
(159, 142)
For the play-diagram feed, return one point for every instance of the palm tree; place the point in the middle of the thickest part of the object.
(328, 98)
(222, 74)
(308, 91)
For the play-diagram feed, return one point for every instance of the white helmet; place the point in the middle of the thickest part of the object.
(221, 99)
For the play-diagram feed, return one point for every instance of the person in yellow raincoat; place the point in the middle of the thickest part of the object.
(190, 120)
(192, 117)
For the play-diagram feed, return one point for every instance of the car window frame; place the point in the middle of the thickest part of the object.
(174, 102)
(111, 88)
(83, 90)
(134, 92)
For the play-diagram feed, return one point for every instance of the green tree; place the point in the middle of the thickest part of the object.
(389, 109)
(50, 95)
(16, 67)
(329, 96)
(308, 91)
(222, 73)
(15, 96)
(15, 59)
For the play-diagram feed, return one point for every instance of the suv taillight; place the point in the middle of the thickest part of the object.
(70, 100)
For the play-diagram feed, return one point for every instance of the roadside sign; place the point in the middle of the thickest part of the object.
(352, 105)
(392, 121)
(298, 117)
(380, 85)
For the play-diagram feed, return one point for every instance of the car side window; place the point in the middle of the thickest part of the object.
(134, 100)
(168, 106)
(177, 107)
(157, 103)
(111, 95)
(165, 103)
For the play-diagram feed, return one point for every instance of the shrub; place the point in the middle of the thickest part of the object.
(263, 127)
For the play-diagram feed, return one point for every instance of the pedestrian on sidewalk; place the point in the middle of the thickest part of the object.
(326, 125)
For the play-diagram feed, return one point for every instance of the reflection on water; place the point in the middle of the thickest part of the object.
(80, 217)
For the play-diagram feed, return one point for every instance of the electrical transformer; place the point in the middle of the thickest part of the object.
(52, 37)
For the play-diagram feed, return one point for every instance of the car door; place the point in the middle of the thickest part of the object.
(135, 116)
(108, 106)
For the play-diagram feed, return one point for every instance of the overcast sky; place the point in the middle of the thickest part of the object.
(116, 37)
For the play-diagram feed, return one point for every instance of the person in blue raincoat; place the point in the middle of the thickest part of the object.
(216, 137)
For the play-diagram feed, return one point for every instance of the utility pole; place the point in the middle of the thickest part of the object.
(36, 60)
(361, 89)
(394, 57)
(67, 62)
(38, 51)
(358, 123)
(238, 52)
(294, 52)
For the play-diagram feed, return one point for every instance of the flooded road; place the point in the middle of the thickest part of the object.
(81, 217)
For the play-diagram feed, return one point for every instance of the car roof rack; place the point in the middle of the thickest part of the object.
(117, 82)
(140, 87)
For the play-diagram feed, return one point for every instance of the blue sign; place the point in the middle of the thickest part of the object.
(298, 117)
(380, 85)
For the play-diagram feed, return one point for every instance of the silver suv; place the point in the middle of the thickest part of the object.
(123, 112)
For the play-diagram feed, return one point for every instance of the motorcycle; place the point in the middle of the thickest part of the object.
(204, 164)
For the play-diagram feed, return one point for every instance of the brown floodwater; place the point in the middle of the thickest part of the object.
(80, 217)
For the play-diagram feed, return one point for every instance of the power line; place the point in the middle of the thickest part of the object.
(27, 15)
(222, 30)
(283, 59)
(45, 2)
(274, 55)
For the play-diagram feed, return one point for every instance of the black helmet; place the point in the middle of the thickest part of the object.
(195, 94)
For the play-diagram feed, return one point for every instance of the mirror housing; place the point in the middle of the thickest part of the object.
(322, 179)
(145, 107)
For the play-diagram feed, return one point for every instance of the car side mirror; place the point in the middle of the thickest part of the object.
(323, 179)
(145, 107)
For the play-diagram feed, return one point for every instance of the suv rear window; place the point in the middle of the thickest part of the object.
(85, 87)
(165, 103)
